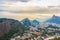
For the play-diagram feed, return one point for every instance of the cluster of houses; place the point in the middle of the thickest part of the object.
(34, 34)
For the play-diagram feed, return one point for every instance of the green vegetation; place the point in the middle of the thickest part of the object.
(56, 38)
(5, 19)
(34, 35)
(15, 29)
(8, 35)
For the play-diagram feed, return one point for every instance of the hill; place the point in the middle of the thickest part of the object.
(8, 27)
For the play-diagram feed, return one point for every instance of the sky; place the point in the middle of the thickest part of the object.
(20, 9)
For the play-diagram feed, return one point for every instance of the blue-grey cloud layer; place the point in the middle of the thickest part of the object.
(16, 0)
(19, 11)
(24, 0)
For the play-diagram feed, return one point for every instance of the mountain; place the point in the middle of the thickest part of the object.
(26, 22)
(8, 27)
(35, 23)
(54, 19)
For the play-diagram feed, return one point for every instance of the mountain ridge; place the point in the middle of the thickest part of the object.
(54, 19)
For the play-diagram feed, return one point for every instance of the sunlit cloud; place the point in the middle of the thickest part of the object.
(25, 15)
(20, 9)
(30, 9)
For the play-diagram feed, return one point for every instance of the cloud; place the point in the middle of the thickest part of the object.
(30, 9)
(34, 2)
(16, 0)
(25, 15)
(27, 9)
(24, 0)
